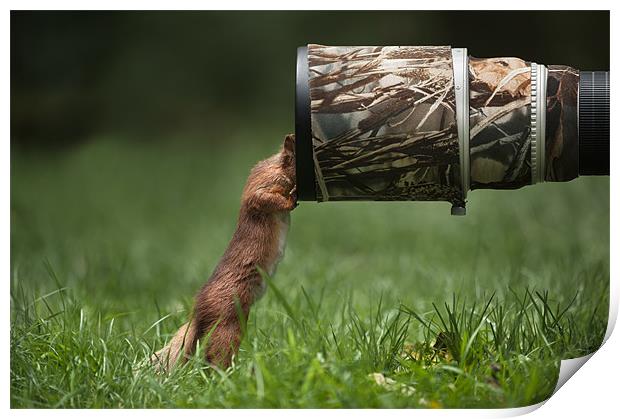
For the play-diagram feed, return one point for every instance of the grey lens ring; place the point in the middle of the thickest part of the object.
(538, 112)
(460, 67)
(541, 131)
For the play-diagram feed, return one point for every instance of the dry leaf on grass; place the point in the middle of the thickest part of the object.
(391, 384)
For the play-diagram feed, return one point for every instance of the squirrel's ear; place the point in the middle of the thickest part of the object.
(289, 144)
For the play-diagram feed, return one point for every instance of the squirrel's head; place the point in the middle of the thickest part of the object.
(277, 169)
(287, 157)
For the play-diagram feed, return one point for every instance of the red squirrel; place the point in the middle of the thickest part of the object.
(224, 301)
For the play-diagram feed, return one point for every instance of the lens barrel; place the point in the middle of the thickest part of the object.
(380, 123)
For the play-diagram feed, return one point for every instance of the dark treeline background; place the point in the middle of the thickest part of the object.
(141, 75)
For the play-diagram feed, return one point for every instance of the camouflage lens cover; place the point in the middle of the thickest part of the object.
(383, 123)
(562, 136)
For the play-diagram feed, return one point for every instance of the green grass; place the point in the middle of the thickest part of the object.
(110, 241)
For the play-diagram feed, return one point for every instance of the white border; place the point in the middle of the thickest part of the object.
(593, 392)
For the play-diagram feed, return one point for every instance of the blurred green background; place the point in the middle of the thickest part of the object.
(154, 75)
(132, 134)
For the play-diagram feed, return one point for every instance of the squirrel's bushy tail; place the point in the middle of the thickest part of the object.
(179, 349)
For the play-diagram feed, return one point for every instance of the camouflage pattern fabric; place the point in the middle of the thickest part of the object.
(383, 123)
(499, 100)
(561, 136)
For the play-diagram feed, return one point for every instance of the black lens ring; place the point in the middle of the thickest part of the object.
(593, 123)
(306, 184)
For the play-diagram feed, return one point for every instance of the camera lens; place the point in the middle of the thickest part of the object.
(431, 123)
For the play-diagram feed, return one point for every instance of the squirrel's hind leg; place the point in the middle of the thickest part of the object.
(223, 343)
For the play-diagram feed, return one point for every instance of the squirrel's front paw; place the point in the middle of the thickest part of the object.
(292, 202)
(292, 198)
